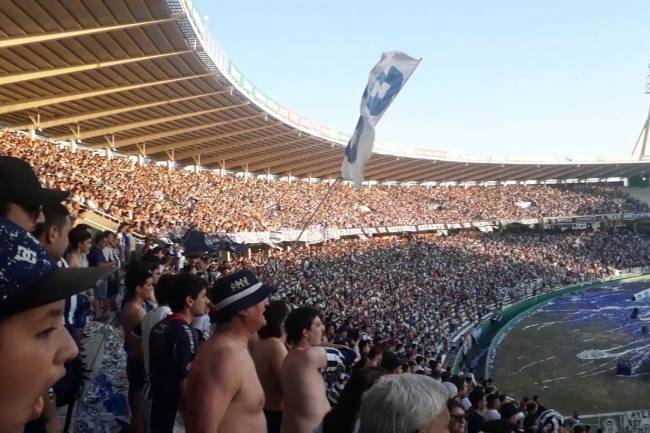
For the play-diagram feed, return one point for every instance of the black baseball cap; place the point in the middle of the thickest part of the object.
(29, 278)
(19, 184)
(238, 291)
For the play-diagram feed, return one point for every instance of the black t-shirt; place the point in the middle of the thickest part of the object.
(498, 426)
(172, 346)
(474, 422)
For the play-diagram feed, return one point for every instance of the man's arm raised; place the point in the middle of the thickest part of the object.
(213, 389)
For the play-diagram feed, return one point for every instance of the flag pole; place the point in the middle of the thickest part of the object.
(311, 217)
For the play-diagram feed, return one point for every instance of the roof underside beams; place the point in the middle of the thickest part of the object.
(130, 75)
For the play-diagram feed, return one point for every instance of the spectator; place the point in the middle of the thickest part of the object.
(461, 387)
(22, 203)
(373, 359)
(52, 233)
(22, 196)
(224, 392)
(306, 401)
(475, 418)
(391, 363)
(550, 421)
(139, 286)
(493, 406)
(268, 354)
(457, 417)
(540, 406)
(512, 414)
(404, 403)
(344, 417)
(532, 413)
(32, 290)
(112, 255)
(506, 423)
(124, 242)
(173, 345)
(178, 199)
(80, 243)
(163, 291)
(96, 258)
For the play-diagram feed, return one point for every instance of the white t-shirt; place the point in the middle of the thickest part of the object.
(466, 404)
(203, 325)
(491, 414)
(154, 316)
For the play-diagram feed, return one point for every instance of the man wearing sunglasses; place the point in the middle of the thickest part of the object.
(34, 344)
(21, 195)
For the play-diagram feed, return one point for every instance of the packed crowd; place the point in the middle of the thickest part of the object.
(351, 342)
(419, 291)
(160, 202)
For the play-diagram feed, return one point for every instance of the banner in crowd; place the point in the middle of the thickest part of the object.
(317, 235)
(626, 422)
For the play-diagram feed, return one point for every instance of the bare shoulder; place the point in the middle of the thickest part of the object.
(132, 314)
(277, 345)
(218, 357)
(315, 355)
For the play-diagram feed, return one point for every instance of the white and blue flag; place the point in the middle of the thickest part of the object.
(386, 80)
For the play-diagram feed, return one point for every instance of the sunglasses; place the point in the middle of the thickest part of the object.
(458, 418)
(32, 208)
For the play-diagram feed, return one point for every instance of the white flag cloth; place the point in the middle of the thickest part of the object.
(386, 80)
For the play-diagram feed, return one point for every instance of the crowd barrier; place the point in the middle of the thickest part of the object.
(320, 234)
(637, 421)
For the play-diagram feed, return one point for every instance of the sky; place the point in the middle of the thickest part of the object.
(504, 78)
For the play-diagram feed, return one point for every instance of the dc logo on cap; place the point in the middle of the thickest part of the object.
(26, 255)
(239, 284)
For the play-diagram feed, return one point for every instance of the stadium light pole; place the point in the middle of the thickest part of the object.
(646, 127)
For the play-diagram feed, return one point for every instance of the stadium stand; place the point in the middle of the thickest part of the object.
(118, 115)
(168, 201)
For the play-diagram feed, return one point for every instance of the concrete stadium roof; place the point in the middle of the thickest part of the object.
(146, 78)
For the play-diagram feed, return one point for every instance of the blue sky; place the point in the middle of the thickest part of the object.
(502, 78)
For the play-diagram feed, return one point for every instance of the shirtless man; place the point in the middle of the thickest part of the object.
(306, 402)
(224, 394)
(268, 352)
(139, 286)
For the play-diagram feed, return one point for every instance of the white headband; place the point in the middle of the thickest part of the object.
(237, 296)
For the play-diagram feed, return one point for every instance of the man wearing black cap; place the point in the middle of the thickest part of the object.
(224, 393)
(21, 195)
(21, 201)
(34, 344)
